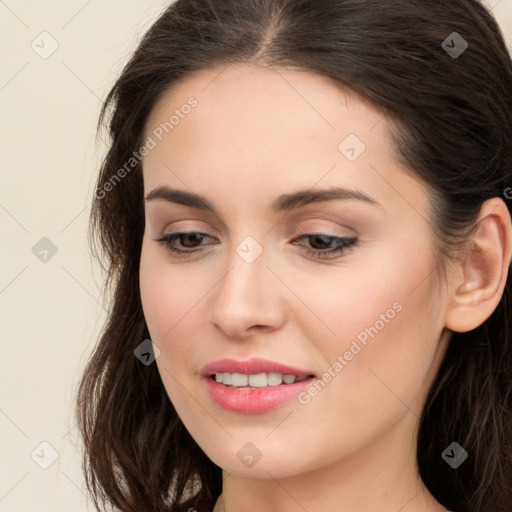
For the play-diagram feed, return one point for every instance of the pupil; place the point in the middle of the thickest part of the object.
(324, 241)
(189, 236)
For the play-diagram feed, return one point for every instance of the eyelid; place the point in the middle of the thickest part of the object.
(316, 221)
(345, 245)
(323, 231)
(178, 227)
(317, 228)
(320, 231)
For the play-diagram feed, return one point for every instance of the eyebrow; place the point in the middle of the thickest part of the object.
(285, 202)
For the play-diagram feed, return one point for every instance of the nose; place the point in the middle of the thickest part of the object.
(248, 300)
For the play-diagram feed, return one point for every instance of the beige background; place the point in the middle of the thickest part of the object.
(50, 311)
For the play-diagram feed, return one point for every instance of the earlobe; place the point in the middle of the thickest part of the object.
(482, 270)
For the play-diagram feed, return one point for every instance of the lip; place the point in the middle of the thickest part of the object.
(255, 400)
(251, 367)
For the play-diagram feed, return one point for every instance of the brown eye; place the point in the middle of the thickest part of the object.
(190, 240)
(326, 245)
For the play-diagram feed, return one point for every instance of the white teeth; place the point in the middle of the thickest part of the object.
(239, 380)
(274, 379)
(258, 380)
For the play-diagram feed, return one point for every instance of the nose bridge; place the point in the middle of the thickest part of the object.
(243, 287)
(246, 295)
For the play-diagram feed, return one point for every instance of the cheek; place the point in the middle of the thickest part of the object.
(166, 292)
(383, 374)
(156, 297)
(378, 332)
(173, 298)
(391, 290)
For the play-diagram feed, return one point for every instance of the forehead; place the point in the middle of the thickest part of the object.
(264, 128)
(240, 88)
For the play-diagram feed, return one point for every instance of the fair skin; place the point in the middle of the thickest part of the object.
(258, 133)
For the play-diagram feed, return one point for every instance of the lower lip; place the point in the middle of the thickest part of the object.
(256, 400)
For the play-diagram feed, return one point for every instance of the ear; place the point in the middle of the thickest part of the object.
(481, 273)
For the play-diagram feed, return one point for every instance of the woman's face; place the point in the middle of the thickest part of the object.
(365, 321)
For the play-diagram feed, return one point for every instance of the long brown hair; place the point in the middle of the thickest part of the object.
(453, 114)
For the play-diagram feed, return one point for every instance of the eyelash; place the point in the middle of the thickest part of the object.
(344, 244)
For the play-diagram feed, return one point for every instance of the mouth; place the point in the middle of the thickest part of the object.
(254, 373)
(257, 380)
(255, 385)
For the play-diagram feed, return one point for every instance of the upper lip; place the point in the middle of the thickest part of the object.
(251, 367)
